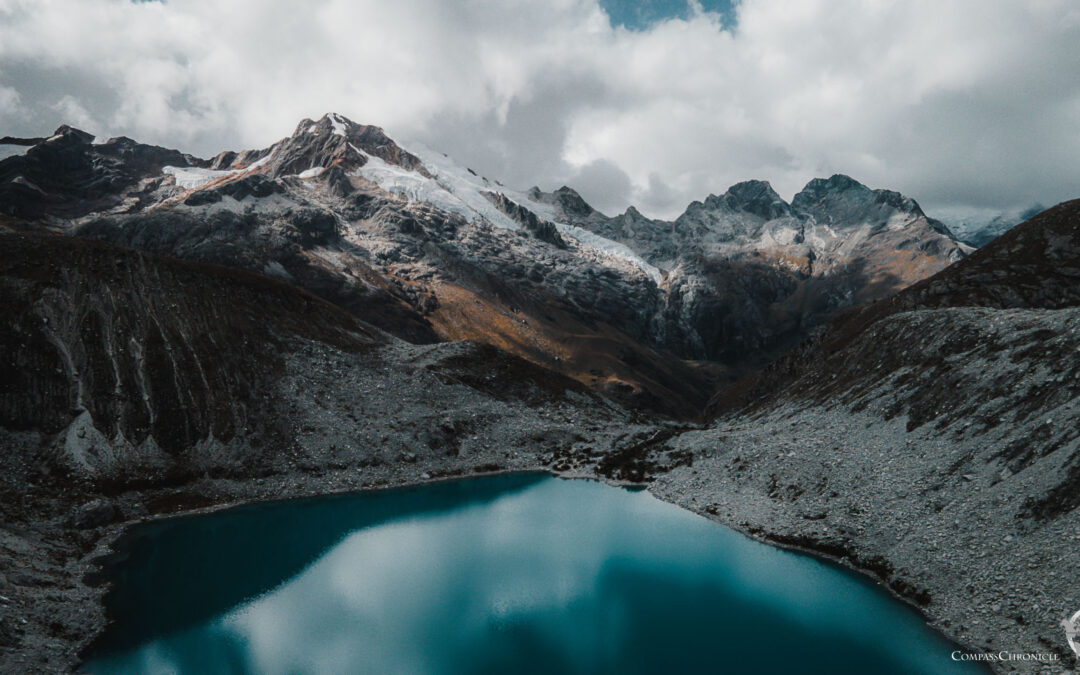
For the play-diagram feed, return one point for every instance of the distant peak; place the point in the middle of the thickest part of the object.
(821, 189)
(752, 186)
(755, 197)
(837, 182)
(70, 132)
(840, 194)
(333, 123)
(753, 190)
(339, 124)
(898, 201)
(571, 202)
(335, 140)
(337, 117)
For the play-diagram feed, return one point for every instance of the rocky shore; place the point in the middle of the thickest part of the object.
(836, 485)
(976, 575)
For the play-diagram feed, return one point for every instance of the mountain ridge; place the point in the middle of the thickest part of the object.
(429, 250)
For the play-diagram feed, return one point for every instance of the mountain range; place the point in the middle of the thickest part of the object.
(838, 373)
(654, 313)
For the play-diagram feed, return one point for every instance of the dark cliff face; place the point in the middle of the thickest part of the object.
(153, 350)
(122, 366)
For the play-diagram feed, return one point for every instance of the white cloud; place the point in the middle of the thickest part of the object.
(956, 102)
(74, 114)
(9, 101)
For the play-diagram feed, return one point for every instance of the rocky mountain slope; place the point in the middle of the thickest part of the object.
(132, 384)
(930, 437)
(751, 274)
(653, 313)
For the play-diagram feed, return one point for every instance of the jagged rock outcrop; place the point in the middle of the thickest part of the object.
(333, 142)
(540, 228)
(70, 174)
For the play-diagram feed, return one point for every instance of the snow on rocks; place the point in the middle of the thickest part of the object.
(337, 123)
(10, 150)
(610, 248)
(460, 190)
(189, 177)
(448, 190)
(20, 180)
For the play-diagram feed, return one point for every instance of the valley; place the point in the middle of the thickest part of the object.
(336, 312)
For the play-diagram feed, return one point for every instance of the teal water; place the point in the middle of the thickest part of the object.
(506, 574)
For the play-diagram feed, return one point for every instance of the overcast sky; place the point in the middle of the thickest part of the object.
(963, 103)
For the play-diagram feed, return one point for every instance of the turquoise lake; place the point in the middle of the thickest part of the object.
(521, 573)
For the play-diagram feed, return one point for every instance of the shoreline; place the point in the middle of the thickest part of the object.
(707, 487)
(113, 542)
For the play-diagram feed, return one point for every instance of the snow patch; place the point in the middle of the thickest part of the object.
(457, 190)
(100, 140)
(898, 221)
(189, 177)
(448, 191)
(339, 126)
(10, 150)
(256, 164)
(276, 269)
(784, 236)
(465, 186)
(545, 211)
(584, 237)
(22, 181)
(313, 172)
(610, 248)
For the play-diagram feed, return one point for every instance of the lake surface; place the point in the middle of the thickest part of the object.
(510, 574)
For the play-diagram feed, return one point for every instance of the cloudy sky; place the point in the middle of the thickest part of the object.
(958, 103)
